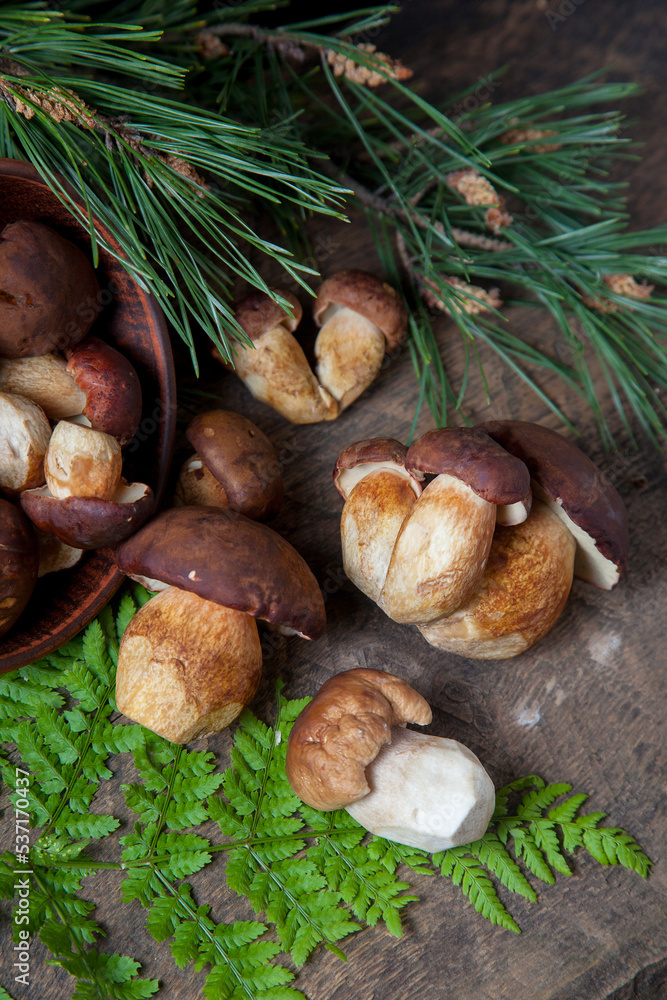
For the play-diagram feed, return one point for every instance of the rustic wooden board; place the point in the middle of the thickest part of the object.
(587, 705)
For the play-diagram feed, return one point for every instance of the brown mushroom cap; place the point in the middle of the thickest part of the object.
(19, 563)
(577, 491)
(225, 557)
(49, 295)
(470, 455)
(111, 386)
(524, 588)
(242, 459)
(257, 312)
(342, 730)
(367, 295)
(89, 522)
(362, 457)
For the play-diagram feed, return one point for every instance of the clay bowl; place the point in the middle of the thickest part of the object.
(63, 603)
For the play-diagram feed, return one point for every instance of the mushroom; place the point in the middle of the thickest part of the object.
(275, 369)
(90, 522)
(575, 489)
(49, 295)
(347, 750)
(521, 594)
(24, 439)
(111, 388)
(44, 380)
(235, 466)
(55, 555)
(434, 548)
(19, 561)
(191, 658)
(360, 317)
(82, 462)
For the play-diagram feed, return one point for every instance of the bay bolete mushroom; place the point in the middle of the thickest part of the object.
(82, 462)
(111, 388)
(24, 438)
(275, 369)
(49, 294)
(360, 317)
(348, 749)
(577, 491)
(190, 659)
(85, 522)
(234, 465)
(19, 563)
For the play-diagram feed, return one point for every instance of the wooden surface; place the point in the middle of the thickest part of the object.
(587, 705)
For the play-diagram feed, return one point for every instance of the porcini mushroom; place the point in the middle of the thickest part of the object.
(360, 317)
(275, 369)
(44, 380)
(347, 749)
(577, 491)
(82, 462)
(24, 438)
(235, 466)
(520, 596)
(49, 295)
(191, 658)
(90, 522)
(55, 555)
(19, 562)
(111, 388)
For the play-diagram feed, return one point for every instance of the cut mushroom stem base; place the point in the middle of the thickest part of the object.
(426, 792)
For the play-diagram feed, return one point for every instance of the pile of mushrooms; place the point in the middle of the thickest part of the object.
(474, 535)
(349, 749)
(360, 318)
(68, 479)
(190, 660)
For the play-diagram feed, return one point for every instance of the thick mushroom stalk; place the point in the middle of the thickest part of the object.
(426, 792)
(348, 749)
(275, 369)
(360, 317)
(24, 438)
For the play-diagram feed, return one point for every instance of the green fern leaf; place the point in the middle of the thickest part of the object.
(96, 653)
(464, 871)
(127, 609)
(492, 853)
(534, 803)
(566, 811)
(527, 850)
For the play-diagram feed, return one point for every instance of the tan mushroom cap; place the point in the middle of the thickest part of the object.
(368, 295)
(226, 558)
(342, 730)
(242, 459)
(258, 313)
(524, 588)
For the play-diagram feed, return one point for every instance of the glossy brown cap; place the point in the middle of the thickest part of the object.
(111, 386)
(225, 557)
(242, 459)
(471, 456)
(19, 563)
(380, 451)
(341, 731)
(257, 312)
(576, 490)
(89, 522)
(368, 295)
(49, 295)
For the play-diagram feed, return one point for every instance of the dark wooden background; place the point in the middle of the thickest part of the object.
(587, 705)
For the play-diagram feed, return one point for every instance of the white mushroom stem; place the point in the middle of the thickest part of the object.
(46, 381)
(82, 462)
(426, 792)
(349, 350)
(276, 371)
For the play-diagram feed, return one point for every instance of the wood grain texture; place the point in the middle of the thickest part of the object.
(587, 705)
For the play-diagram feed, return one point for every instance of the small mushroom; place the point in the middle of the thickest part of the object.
(24, 438)
(520, 596)
(275, 369)
(190, 662)
(575, 489)
(111, 388)
(82, 462)
(360, 317)
(49, 295)
(347, 749)
(90, 522)
(235, 466)
(19, 562)
(44, 380)
(55, 555)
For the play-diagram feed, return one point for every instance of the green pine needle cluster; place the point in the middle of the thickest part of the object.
(311, 878)
(205, 167)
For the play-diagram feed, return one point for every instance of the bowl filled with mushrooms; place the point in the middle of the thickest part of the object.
(87, 417)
